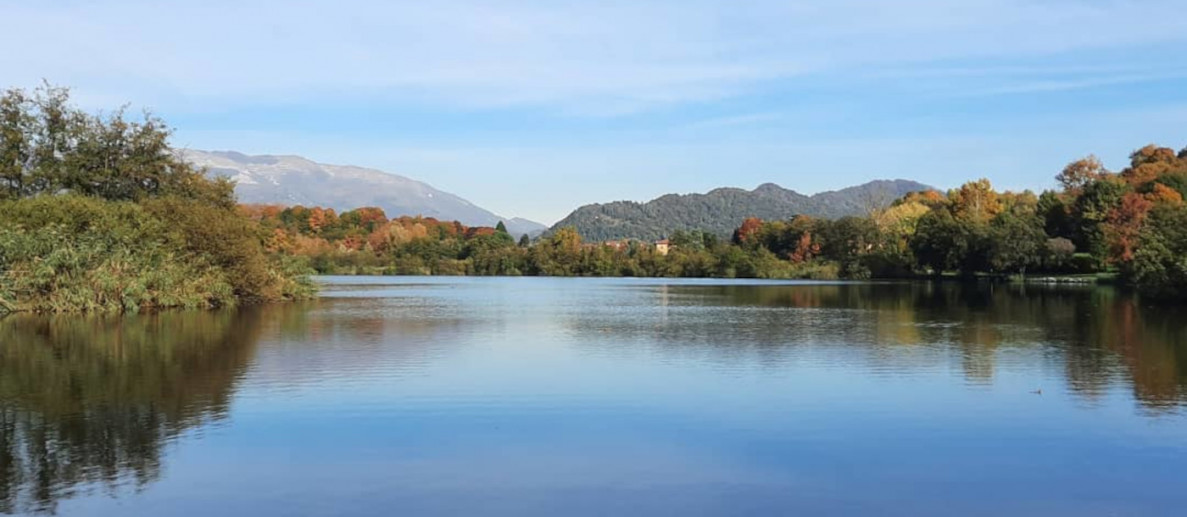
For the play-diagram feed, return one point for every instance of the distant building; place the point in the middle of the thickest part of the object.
(617, 245)
(663, 246)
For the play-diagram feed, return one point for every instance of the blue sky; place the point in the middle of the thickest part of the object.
(532, 108)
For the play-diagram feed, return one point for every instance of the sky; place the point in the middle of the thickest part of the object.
(533, 108)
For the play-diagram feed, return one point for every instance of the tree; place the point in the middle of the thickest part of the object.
(1081, 173)
(745, 233)
(1059, 253)
(942, 243)
(1016, 243)
(1091, 211)
(16, 147)
(1151, 154)
(975, 201)
(1056, 214)
(1161, 193)
(501, 228)
(1124, 225)
(1159, 265)
(1150, 163)
(48, 146)
(558, 254)
(846, 241)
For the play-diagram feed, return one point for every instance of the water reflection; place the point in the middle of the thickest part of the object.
(521, 396)
(1102, 337)
(359, 340)
(88, 403)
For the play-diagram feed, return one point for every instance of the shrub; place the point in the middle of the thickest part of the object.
(75, 253)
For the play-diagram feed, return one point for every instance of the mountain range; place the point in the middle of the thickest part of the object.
(721, 211)
(293, 180)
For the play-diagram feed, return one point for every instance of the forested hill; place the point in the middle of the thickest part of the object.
(719, 210)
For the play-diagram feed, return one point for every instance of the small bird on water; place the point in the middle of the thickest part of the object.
(1038, 391)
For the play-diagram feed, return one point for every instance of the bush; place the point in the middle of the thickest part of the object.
(1059, 254)
(74, 253)
(100, 214)
(1084, 263)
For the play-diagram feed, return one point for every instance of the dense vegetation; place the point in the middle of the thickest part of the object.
(98, 213)
(1131, 224)
(718, 212)
(365, 241)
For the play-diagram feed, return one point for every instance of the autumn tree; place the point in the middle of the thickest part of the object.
(1124, 225)
(1080, 173)
(975, 201)
(745, 233)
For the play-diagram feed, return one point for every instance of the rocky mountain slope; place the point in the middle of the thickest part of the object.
(293, 180)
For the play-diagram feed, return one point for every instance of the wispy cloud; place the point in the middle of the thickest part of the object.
(582, 58)
(1062, 85)
(733, 121)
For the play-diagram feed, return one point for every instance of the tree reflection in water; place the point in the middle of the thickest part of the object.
(87, 403)
(1102, 337)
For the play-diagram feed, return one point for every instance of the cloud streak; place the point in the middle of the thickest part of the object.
(579, 58)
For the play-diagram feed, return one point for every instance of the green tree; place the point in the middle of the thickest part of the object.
(943, 243)
(1090, 212)
(1159, 267)
(558, 254)
(48, 146)
(1016, 243)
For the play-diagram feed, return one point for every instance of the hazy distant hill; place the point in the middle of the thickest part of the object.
(293, 180)
(723, 209)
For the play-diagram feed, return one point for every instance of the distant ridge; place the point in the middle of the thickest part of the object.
(293, 180)
(721, 210)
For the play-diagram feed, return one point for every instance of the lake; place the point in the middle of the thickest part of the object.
(538, 396)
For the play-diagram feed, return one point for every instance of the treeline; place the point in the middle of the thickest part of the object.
(1131, 224)
(365, 241)
(98, 213)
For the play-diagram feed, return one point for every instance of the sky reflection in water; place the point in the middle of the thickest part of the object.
(593, 397)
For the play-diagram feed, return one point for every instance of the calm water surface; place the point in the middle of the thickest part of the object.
(604, 397)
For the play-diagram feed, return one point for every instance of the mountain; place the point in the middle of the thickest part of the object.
(293, 180)
(721, 211)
